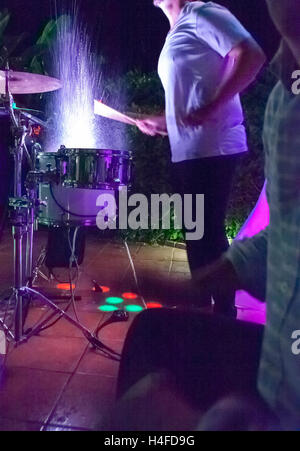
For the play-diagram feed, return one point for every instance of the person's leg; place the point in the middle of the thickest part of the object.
(209, 356)
(213, 178)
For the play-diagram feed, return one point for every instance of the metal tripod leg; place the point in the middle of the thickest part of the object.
(56, 310)
(29, 246)
(18, 232)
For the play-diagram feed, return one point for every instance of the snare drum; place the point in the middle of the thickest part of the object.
(83, 175)
(95, 168)
(69, 206)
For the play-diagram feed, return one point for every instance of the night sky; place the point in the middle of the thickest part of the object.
(130, 33)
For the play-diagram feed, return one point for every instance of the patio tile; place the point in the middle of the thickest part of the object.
(10, 425)
(157, 266)
(157, 253)
(180, 255)
(180, 266)
(54, 428)
(85, 402)
(64, 328)
(117, 331)
(94, 363)
(30, 394)
(48, 353)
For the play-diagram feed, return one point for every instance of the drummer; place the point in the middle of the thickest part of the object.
(207, 60)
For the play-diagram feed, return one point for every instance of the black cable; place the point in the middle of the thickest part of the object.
(73, 258)
(117, 316)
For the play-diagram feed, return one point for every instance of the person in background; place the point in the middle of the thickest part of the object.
(268, 265)
(207, 60)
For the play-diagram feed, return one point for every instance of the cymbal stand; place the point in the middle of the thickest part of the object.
(23, 215)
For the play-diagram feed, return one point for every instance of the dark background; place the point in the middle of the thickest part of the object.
(130, 33)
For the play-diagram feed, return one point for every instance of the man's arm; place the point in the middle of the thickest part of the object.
(241, 66)
(242, 267)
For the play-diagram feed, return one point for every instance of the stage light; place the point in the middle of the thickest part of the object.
(114, 300)
(134, 308)
(107, 308)
(65, 286)
(154, 305)
(129, 295)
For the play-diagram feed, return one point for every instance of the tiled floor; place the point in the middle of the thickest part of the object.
(56, 381)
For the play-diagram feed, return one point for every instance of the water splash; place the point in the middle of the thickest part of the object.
(73, 121)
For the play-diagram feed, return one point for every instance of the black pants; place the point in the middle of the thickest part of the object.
(209, 356)
(212, 177)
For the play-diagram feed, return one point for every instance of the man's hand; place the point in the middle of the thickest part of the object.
(153, 125)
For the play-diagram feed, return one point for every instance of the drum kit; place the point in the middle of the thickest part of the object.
(61, 191)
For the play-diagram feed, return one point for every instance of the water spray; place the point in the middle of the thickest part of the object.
(72, 108)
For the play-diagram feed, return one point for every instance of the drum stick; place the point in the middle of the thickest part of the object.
(110, 113)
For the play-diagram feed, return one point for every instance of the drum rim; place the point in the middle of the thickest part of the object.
(89, 151)
(48, 222)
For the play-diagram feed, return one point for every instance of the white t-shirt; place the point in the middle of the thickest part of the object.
(190, 70)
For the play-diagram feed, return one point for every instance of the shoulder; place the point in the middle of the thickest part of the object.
(210, 11)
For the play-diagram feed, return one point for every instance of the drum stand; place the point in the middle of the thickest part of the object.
(23, 218)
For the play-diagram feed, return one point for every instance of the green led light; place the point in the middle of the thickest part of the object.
(134, 308)
(108, 308)
(114, 300)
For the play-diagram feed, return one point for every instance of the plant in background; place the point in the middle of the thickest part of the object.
(35, 59)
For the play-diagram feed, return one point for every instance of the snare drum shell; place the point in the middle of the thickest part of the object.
(95, 169)
(69, 206)
(84, 174)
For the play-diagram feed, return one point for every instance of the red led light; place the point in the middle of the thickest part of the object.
(154, 305)
(104, 289)
(65, 286)
(129, 296)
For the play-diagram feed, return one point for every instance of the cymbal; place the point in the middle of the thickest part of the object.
(28, 83)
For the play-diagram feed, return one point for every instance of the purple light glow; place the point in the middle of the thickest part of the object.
(250, 309)
(258, 219)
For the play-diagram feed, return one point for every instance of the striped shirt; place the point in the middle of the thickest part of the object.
(270, 261)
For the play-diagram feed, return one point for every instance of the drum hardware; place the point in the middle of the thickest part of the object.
(24, 215)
